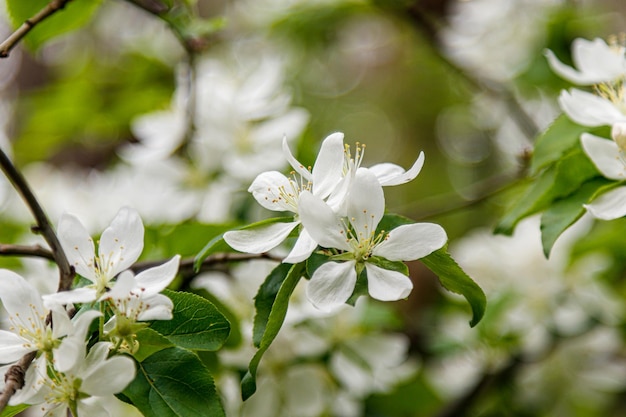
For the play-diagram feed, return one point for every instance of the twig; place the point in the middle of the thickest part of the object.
(43, 224)
(14, 378)
(29, 24)
(186, 267)
(35, 251)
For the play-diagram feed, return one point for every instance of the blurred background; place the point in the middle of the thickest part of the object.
(174, 107)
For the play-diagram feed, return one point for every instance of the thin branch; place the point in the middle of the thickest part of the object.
(186, 267)
(14, 378)
(12, 41)
(35, 251)
(43, 224)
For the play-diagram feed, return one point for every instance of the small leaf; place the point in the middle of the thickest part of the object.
(217, 244)
(74, 14)
(197, 324)
(150, 342)
(274, 323)
(564, 212)
(264, 300)
(174, 383)
(454, 279)
(13, 410)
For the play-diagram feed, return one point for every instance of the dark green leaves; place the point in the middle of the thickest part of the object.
(454, 279)
(197, 324)
(174, 383)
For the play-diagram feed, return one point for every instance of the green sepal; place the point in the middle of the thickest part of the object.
(274, 323)
(196, 324)
(13, 410)
(454, 279)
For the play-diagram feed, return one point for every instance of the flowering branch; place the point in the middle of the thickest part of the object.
(43, 224)
(29, 24)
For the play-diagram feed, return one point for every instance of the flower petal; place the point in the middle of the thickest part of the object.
(296, 165)
(604, 153)
(268, 189)
(260, 239)
(78, 295)
(411, 241)
(588, 109)
(19, 297)
(365, 202)
(331, 285)
(328, 168)
(122, 242)
(160, 308)
(12, 347)
(391, 174)
(154, 280)
(78, 246)
(387, 285)
(322, 224)
(106, 376)
(304, 247)
(610, 205)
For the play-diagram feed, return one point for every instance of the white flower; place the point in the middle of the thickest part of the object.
(610, 158)
(276, 192)
(591, 110)
(332, 283)
(120, 245)
(88, 388)
(29, 330)
(597, 62)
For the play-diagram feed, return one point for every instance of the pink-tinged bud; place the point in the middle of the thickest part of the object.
(618, 133)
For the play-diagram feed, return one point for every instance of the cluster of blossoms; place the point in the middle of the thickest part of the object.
(65, 375)
(338, 205)
(602, 66)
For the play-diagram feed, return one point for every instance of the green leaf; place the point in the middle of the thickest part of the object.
(264, 300)
(564, 212)
(197, 323)
(274, 323)
(454, 279)
(217, 244)
(13, 410)
(150, 342)
(75, 14)
(174, 383)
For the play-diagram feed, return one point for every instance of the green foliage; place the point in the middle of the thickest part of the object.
(13, 410)
(454, 279)
(196, 324)
(271, 326)
(173, 382)
(150, 342)
(265, 298)
(75, 14)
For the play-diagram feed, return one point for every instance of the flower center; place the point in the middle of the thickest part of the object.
(351, 164)
(290, 195)
(33, 329)
(362, 238)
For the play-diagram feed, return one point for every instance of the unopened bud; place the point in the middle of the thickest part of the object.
(618, 133)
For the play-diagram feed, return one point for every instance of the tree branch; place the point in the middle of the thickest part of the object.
(29, 24)
(43, 224)
(35, 251)
(14, 378)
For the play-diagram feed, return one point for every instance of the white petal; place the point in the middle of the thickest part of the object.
(588, 109)
(160, 308)
(322, 224)
(411, 241)
(20, 297)
(260, 239)
(78, 245)
(268, 190)
(304, 247)
(604, 154)
(93, 406)
(391, 174)
(610, 205)
(12, 347)
(122, 242)
(155, 280)
(62, 322)
(106, 376)
(79, 295)
(387, 285)
(72, 348)
(123, 286)
(365, 202)
(328, 168)
(331, 285)
(297, 166)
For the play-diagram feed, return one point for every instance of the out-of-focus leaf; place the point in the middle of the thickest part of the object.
(13, 410)
(265, 298)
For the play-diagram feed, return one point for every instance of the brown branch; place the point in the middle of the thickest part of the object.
(29, 24)
(43, 224)
(35, 251)
(14, 378)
